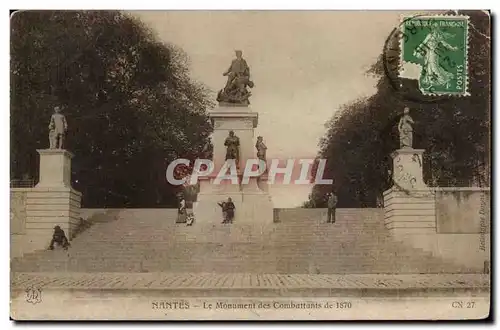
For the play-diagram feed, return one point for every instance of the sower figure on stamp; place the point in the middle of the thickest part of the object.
(433, 72)
(57, 129)
(405, 129)
(332, 205)
(60, 238)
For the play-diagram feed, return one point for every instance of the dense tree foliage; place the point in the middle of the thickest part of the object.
(130, 104)
(455, 132)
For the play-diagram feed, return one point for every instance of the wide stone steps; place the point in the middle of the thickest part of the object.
(150, 241)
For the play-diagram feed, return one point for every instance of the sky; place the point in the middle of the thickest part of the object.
(305, 65)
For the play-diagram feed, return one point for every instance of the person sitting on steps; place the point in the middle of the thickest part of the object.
(60, 238)
(190, 218)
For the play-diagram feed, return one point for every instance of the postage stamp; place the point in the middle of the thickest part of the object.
(434, 51)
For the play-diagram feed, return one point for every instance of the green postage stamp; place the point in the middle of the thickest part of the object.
(436, 48)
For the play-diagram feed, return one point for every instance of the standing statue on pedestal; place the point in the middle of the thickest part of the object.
(406, 130)
(238, 78)
(232, 143)
(57, 129)
(208, 149)
(261, 148)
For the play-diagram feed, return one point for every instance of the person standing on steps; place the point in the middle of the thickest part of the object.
(224, 213)
(227, 210)
(332, 205)
(230, 210)
(181, 211)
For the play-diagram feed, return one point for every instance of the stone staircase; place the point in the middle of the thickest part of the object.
(149, 240)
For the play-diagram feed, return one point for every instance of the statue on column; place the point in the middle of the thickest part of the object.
(261, 148)
(57, 129)
(232, 143)
(238, 78)
(405, 129)
(208, 149)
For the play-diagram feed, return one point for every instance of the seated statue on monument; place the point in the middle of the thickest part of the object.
(232, 143)
(238, 78)
(57, 129)
(406, 130)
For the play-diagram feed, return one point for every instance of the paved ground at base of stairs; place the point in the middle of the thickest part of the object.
(176, 296)
(165, 281)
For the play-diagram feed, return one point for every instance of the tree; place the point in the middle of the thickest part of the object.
(454, 132)
(130, 103)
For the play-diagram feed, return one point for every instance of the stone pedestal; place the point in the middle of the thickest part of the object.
(409, 213)
(407, 171)
(55, 168)
(241, 120)
(47, 208)
(424, 218)
(409, 204)
(253, 204)
(254, 208)
(52, 201)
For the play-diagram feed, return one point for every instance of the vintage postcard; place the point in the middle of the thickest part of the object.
(250, 165)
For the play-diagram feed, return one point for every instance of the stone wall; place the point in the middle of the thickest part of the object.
(462, 210)
(463, 217)
(35, 211)
(462, 226)
(18, 197)
(280, 214)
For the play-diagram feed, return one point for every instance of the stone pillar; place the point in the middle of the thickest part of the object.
(241, 120)
(52, 201)
(408, 169)
(55, 168)
(262, 182)
(409, 205)
(252, 204)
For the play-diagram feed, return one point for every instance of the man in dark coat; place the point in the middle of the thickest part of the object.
(60, 238)
(230, 210)
(332, 205)
(227, 210)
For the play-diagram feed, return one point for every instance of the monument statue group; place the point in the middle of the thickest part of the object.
(236, 94)
(238, 79)
(233, 139)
